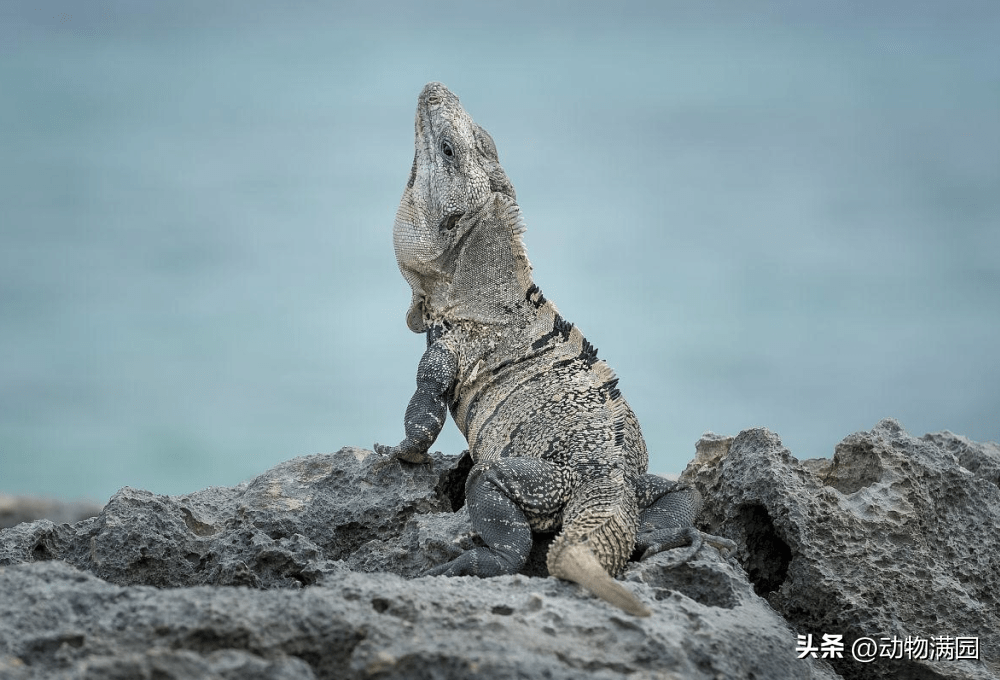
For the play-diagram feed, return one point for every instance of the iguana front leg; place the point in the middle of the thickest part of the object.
(666, 520)
(428, 408)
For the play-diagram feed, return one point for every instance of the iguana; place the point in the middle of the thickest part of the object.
(554, 444)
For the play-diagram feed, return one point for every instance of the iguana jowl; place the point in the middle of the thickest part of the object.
(554, 444)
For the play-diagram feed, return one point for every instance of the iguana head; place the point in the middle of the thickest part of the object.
(455, 174)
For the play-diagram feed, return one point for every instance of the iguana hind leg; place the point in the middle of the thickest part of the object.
(666, 520)
(508, 497)
(503, 497)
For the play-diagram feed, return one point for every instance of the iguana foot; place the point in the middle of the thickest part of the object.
(394, 453)
(725, 546)
(661, 540)
(484, 562)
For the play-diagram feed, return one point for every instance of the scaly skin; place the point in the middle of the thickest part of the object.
(555, 445)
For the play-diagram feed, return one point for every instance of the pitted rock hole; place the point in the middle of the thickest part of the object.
(41, 551)
(768, 556)
(380, 604)
(451, 488)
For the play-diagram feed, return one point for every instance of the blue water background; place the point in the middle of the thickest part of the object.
(762, 214)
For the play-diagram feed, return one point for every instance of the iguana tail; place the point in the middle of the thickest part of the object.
(599, 529)
(576, 562)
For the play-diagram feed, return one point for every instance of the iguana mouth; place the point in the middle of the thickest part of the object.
(450, 222)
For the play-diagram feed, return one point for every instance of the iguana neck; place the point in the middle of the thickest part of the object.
(487, 272)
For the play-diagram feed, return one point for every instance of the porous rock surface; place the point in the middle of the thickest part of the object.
(893, 536)
(312, 570)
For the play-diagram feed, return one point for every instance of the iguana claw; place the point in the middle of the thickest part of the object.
(723, 545)
(668, 539)
(392, 453)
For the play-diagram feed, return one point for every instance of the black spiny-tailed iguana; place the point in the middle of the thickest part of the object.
(554, 444)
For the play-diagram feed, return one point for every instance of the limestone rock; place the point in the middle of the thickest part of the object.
(58, 622)
(278, 530)
(895, 536)
(325, 552)
(313, 570)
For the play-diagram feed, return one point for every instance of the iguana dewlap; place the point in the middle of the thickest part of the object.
(555, 445)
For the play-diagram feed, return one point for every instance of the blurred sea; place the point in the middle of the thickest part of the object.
(778, 214)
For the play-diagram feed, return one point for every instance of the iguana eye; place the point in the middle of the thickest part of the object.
(446, 149)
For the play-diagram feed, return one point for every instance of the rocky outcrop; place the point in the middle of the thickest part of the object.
(55, 619)
(894, 537)
(277, 531)
(312, 570)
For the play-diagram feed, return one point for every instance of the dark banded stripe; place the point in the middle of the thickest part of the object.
(436, 330)
(588, 354)
(501, 406)
(560, 326)
(610, 389)
(534, 296)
